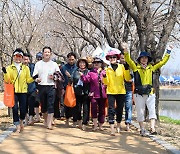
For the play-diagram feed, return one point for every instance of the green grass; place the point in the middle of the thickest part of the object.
(169, 120)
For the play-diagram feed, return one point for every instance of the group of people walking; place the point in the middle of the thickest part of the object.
(94, 83)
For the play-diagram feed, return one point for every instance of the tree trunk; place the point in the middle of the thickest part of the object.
(1, 74)
(156, 87)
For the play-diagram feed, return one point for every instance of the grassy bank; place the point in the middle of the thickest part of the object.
(170, 87)
(169, 120)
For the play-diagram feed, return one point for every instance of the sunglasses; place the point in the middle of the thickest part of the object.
(112, 57)
(18, 56)
(96, 62)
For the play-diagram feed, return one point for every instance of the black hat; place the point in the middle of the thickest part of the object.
(144, 54)
(96, 59)
(18, 51)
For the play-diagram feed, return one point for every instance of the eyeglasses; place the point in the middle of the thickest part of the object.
(112, 57)
(18, 56)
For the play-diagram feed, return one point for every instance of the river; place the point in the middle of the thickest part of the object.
(170, 103)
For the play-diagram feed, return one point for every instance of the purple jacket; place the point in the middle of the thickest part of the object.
(97, 89)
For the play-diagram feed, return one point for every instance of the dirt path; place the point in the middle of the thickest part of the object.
(37, 139)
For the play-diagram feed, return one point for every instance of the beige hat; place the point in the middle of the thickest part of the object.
(82, 59)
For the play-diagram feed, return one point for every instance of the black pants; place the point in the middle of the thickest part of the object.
(59, 110)
(20, 103)
(47, 97)
(119, 98)
(57, 107)
(69, 112)
(30, 104)
(37, 101)
(82, 101)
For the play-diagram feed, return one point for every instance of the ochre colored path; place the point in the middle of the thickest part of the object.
(37, 139)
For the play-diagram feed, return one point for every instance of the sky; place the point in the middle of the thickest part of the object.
(174, 62)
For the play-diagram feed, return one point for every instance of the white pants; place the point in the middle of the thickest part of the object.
(140, 102)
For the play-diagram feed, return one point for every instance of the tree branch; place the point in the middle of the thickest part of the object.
(130, 9)
(167, 28)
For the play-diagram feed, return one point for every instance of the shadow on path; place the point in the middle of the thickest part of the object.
(37, 139)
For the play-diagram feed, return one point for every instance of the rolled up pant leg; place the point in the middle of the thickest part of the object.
(150, 102)
(50, 99)
(43, 98)
(140, 102)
